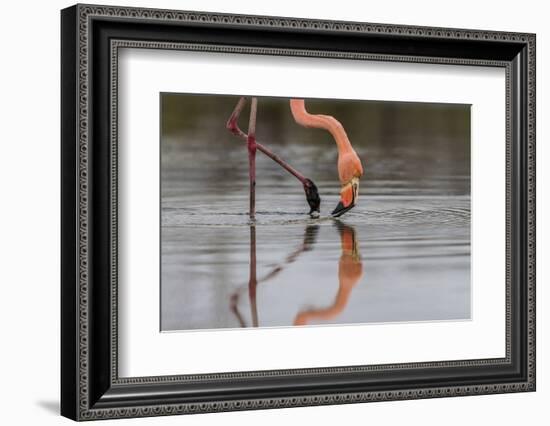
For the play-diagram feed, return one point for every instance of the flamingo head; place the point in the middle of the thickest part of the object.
(312, 197)
(348, 197)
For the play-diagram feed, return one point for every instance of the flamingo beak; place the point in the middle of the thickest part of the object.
(312, 197)
(348, 197)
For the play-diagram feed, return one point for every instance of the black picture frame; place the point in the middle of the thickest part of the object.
(90, 386)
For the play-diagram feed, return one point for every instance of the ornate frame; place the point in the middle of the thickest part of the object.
(91, 37)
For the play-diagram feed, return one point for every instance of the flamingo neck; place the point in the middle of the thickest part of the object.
(319, 121)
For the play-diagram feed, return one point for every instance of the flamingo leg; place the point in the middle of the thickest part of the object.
(232, 125)
(310, 189)
(251, 144)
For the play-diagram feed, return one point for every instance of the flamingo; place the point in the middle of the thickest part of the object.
(349, 165)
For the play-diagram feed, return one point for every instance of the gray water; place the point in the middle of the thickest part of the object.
(402, 254)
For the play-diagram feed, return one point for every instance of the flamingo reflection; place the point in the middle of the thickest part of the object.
(350, 272)
(310, 237)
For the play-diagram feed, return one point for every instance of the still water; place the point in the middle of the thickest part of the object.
(402, 254)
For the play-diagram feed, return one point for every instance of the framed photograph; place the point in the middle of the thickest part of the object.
(263, 212)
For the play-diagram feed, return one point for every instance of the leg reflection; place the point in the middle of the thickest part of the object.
(253, 281)
(310, 237)
(350, 271)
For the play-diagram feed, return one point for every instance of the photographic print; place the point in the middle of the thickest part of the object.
(279, 212)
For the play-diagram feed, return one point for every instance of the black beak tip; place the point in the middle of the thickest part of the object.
(340, 209)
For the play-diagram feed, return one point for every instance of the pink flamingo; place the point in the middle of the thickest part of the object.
(350, 169)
